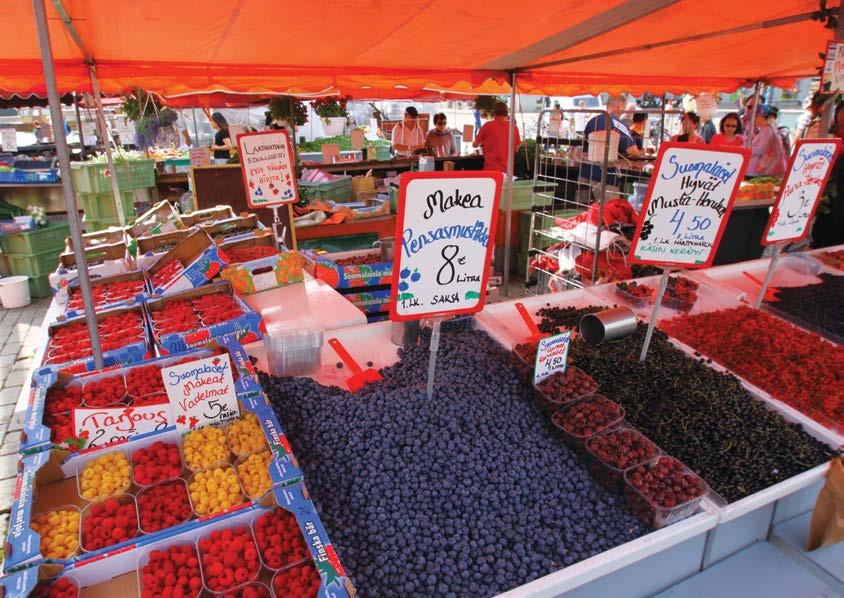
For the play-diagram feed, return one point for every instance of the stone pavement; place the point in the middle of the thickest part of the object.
(19, 337)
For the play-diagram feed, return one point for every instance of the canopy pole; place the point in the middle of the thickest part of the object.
(511, 138)
(104, 135)
(195, 127)
(293, 131)
(83, 153)
(67, 181)
(752, 121)
(661, 136)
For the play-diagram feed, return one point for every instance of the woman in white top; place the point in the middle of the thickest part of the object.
(408, 136)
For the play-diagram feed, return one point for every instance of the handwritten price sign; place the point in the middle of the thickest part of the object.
(201, 392)
(266, 160)
(800, 191)
(446, 224)
(99, 427)
(687, 205)
(551, 356)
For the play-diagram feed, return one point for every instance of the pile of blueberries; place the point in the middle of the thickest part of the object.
(470, 493)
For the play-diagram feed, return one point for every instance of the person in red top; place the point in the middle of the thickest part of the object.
(730, 134)
(493, 138)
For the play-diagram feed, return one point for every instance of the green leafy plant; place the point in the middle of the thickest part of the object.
(133, 104)
(282, 106)
(331, 106)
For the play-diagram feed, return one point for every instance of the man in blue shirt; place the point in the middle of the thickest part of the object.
(590, 172)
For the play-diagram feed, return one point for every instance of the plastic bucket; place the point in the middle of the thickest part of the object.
(14, 291)
(597, 145)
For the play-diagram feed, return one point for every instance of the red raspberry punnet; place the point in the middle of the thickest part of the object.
(167, 273)
(109, 522)
(229, 558)
(143, 381)
(62, 587)
(159, 461)
(279, 538)
(247, 253)
(104, 392)
(302, 581)
(173, 571)
(164, 505)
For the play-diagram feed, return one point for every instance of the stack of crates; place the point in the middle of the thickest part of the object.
(35, 254)
(93, 187)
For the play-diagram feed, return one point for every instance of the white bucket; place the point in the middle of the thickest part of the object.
(14, 291)
(597, 143)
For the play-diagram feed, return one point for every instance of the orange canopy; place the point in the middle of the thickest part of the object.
(401, 48)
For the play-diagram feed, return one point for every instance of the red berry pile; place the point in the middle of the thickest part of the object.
(60, 425)
(71, 342)
(522, 360)
(359, 260)
(253, 590)
(216, 307)
(588, 417)
(143, 381)
(167, 273)
(614, 452)
(62, 400)
(105, 294)
(229, 558)
(159, 461)
(247, 253)
(156, 399)
(164, 505)
(301, 581)
(172, 572)
(666, 483)
(564, 387)
(832, 258)
(63, 587)
(109, 522)
(635, 292)
(279, 539)
(104, 392)
(680, 293)
(183, 315)
(795, 366)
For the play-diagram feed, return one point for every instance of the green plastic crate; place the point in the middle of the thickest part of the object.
(37, 241)
(100, 206)
(394, 198)
(34, 265)
(91, 177)
(338, 190)
(40, 286)
(93, 225)
(523, 194)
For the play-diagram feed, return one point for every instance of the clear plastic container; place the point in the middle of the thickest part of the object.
(148, 489)
(87, 512)
(803, 263)
(280, 583)
(143, 560)
(50, 582)
(577, 441)
(262, 590)
(290, 559)
(254, 495)
(78, 528)
(192, 466)
(210, 510)
(243, 451)
(522, 366)
(550, 402)
(292, 350)
(235, 583)
(610, 475)
(122, 490)
(676, 303)
(653, 514)
(634, 300)
(147, 485)
(91, 381)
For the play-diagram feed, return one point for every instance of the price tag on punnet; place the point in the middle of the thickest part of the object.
(266, 160)
(687, 205)
(99, 427)
(551, 356)
(800, 191)
(445, 231)
(201, 392)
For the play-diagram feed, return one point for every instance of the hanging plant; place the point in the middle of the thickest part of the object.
(485, 104)
(133, 105)
(148, 128)
(331, 107)
(281, 107)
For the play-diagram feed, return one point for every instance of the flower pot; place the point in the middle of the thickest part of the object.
(333, 125)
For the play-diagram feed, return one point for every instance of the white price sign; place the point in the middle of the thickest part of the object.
(199, 156)
(89, 133)
(201, 392)
(832, 77)
(266, 160)
(687, 205)
(800, 191)
(446, 228)
(99, 427)
(551, 356)
(9, 138)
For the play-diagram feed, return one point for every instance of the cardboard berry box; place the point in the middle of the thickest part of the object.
(66, 351)
(191, 263)
(105, 260)
(105, 298)
(342, 275)
(246, 327)
(240, 227)
(41, 417)
(275, 269)
(150, 248)
(160, 218)
(208, 216)
(50, 480)
(370, 302)
(109, 236)
(122, 573)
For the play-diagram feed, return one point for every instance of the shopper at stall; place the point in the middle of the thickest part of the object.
(730, 131)
(828, 228)
(767, 156)
(591, 172)
(707, 131)
(689, 122)
(408, 137)
(746, 113)
(222, 145)
(440, 140)
(493, 139)
(637, 129)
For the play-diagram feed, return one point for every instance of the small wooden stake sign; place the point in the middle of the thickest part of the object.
(686, 208)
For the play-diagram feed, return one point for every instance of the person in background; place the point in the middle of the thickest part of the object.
(782, 132)
(809, 124)
(440, 141)
(746, 112)
(730, 135)
(689, 122)
(767, 157)
(707, 131)
(637, 129)
(580, 118)
(590, 172)
(828, 228)
(222, 145)
(408, 138)
(493, 138)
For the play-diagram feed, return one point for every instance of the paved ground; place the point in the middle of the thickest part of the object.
(19, 337)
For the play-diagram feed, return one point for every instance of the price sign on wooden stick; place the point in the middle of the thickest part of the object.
(266, 159)
(686, 208)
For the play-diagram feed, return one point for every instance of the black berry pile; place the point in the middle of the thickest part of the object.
(818, 304)
(703, 417)
(469, 494)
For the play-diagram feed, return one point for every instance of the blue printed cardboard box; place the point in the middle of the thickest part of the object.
(47, 425)
(105, 260)
(246, 328)
(370, 302)
(199, 261)
(344, 271)
(104, 298)
(122, 571)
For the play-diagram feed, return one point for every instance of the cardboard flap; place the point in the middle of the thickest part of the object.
(116, 251)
